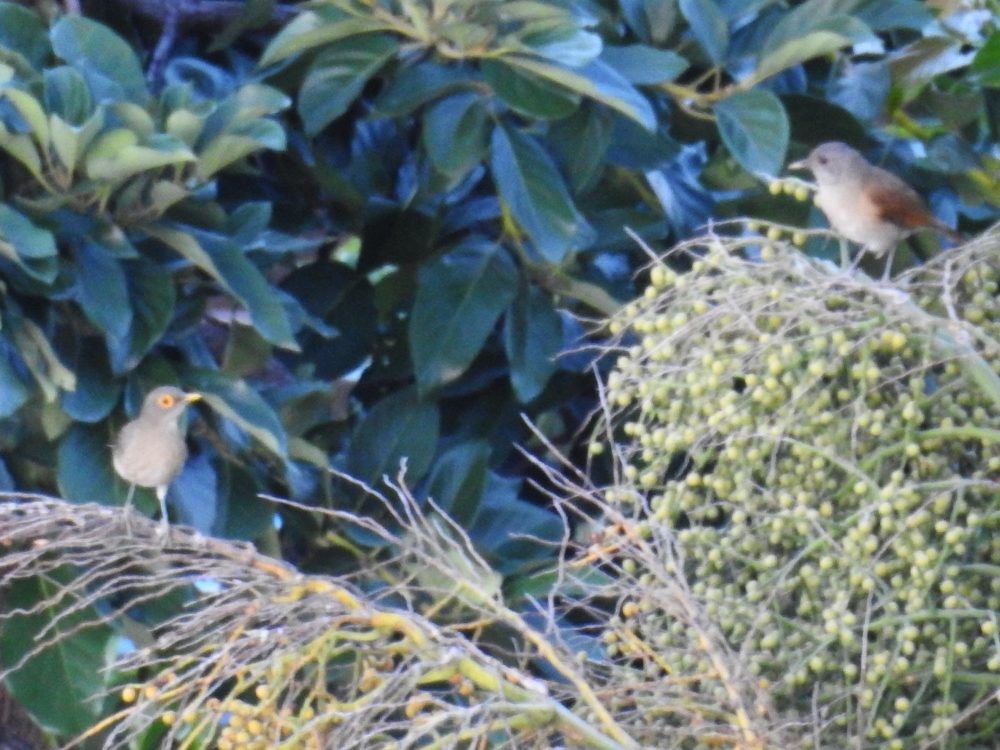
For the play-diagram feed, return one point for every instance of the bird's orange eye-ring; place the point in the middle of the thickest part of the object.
(166, 401)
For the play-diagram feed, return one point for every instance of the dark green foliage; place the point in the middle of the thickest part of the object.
(415, 203)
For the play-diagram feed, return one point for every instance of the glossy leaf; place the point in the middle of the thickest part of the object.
(806, 32)
(709, 27)
(459, 299)
(343, 299)
(414, 86)
(530, 184)
(152, 296)
(986, 64)
(754, 127)
(222, 259)
(240, 514)
(103, 58)
(24, 32)
(533, 338)
(29, 246)
(102, 290)
(399, 427)
(229, 148)
(29, 108)
(66, 94)
(97, 391)
(456, 133)
(652, 20)
(459, 479)
(13, 389)
(309, 30)
(238, 401)
(84, 472)
(337, 76)
(58, 685)
(527, 93)
(512, 532)
(643, 65)
(597, 80)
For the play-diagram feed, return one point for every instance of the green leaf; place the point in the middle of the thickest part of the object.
(238, 402)
(222, 259)
(709, 27)
(29, 108)
(527, 93)
(39, 355)
(65, 142)
(512, 532)
(83, 470)
(533, 339)
(13, 390)
(652, 20)
(398, 427)
(459, 298)
(754, 127)
(418, 84)
(459, 479)
(97, 391)
(22, 148)
(310, 30)
(343, 299)
(119, 158)
(101, 289)
(337, 76)
(886, 15)
(240, 513)
(530, 184)
(227, 148)
(642, 65)
(456, 133)
(596, 80)
(254, 15)
(792, 43)
(61, 686)
(29, 246)
(152, 296)
(107, 63)
(986, 63)
(24, 32)
(67, 95)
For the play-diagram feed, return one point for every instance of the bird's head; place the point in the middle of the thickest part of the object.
(167, 402)
(833, 163)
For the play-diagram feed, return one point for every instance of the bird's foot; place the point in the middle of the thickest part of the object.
(163, 531)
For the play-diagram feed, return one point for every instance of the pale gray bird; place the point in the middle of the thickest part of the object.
(865, 203)
(150, 450)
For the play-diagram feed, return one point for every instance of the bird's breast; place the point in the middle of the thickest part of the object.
(152, 459)
(851, 214)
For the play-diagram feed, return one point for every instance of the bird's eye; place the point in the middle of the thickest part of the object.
(822, 159)
(166, 401)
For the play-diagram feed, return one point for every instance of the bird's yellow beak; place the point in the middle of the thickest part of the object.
(190, 398)
(800, 164)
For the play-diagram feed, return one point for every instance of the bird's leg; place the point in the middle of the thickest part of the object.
(887, 273)
(856, 263)
(127, 508)
(161, 495)
(845, 255)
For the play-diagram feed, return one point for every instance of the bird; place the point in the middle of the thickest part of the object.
(150, 450)
(867, 204)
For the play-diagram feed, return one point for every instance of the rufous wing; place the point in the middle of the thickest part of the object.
(897, 202)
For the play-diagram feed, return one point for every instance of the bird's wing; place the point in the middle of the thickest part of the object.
(897, 202)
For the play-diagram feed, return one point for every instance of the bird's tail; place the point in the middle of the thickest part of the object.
(955, 236)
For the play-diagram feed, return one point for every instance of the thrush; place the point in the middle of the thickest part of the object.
(867, 204)
(150, 450)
